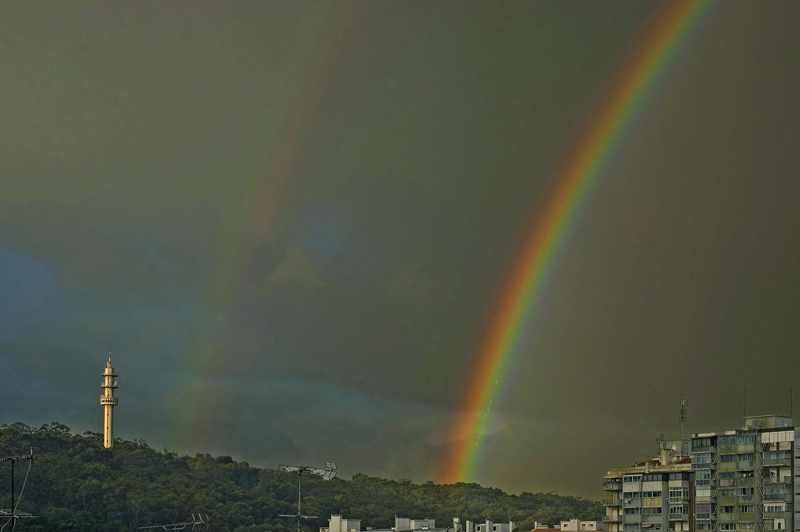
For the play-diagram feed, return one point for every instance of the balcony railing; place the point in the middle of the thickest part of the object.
(678, 517)
(785, 461)
(108, 400)
(612, 503)
(612, 518)
(610, 485)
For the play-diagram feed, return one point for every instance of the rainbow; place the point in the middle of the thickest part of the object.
(534, 267)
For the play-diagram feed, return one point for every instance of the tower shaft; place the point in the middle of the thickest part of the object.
(108, 401)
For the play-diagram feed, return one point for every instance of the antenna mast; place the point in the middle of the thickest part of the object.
(326, 473)
(682, 419)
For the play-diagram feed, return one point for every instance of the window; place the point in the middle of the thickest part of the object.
(701, 458)
(702, 442)
(727, 526)
(678, 510)
(745, 491)
(632, 527)
(746, 526)
(727, 474)
(631, 511)
(746, 509)
(726, 492)
(631, 478)
(702, 508)
(703, 474)
(723, 440)
(745, 438)
(631, 494)
(653, 510)
(679, 476)
(727, 509)
(651, 494)
(728, 458)
(745, 457)
(678, 494)
(652, 477)
(745, 474)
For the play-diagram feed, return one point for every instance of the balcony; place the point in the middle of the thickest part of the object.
(632, 503)
(612, 518)
(612, 502)
(632, 518)
(745, 465)
(612, 485)
(112, 384)
(113, 401)
(786, 461)
(652, 519)
(743, 499)
(678, 517)
(727, 518)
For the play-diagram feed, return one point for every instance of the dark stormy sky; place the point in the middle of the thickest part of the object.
(292, 223)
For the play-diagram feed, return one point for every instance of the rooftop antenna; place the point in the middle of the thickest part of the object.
(745, 401)
(682, 418)
(326, 473)
(195, 522)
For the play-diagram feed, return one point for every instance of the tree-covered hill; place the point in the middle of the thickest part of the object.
(77, 485)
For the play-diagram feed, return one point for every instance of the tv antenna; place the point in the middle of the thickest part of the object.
(682, 418)
(326, 473)
(197, 523)
(12, 514)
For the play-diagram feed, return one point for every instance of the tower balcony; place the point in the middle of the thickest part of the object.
(112, 384)
(106, 400)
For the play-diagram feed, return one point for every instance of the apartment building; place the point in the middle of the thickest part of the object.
(747, 479)
(651, 496)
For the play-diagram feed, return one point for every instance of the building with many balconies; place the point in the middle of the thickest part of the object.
(651, 496)
(746, 479)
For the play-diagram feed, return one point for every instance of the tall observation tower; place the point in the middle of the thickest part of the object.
(109, 402)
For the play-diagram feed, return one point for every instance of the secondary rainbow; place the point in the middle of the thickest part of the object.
(535, 264)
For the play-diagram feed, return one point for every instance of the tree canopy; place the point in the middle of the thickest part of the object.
(75, 484)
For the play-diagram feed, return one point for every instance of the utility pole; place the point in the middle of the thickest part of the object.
(12, 513)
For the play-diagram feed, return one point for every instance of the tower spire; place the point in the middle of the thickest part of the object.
(108, 401)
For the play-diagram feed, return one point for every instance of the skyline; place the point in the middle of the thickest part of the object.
(293, 223)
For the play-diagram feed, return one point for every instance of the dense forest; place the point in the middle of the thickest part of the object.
(75, 484)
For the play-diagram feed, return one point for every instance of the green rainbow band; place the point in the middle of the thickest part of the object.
(535, 265)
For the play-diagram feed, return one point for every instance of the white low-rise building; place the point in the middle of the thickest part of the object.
(576, 525)
(337, 524)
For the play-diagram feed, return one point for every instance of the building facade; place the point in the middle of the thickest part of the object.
(651, 496)
(746, 479)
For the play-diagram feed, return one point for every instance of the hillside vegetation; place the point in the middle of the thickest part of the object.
(77, 485)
